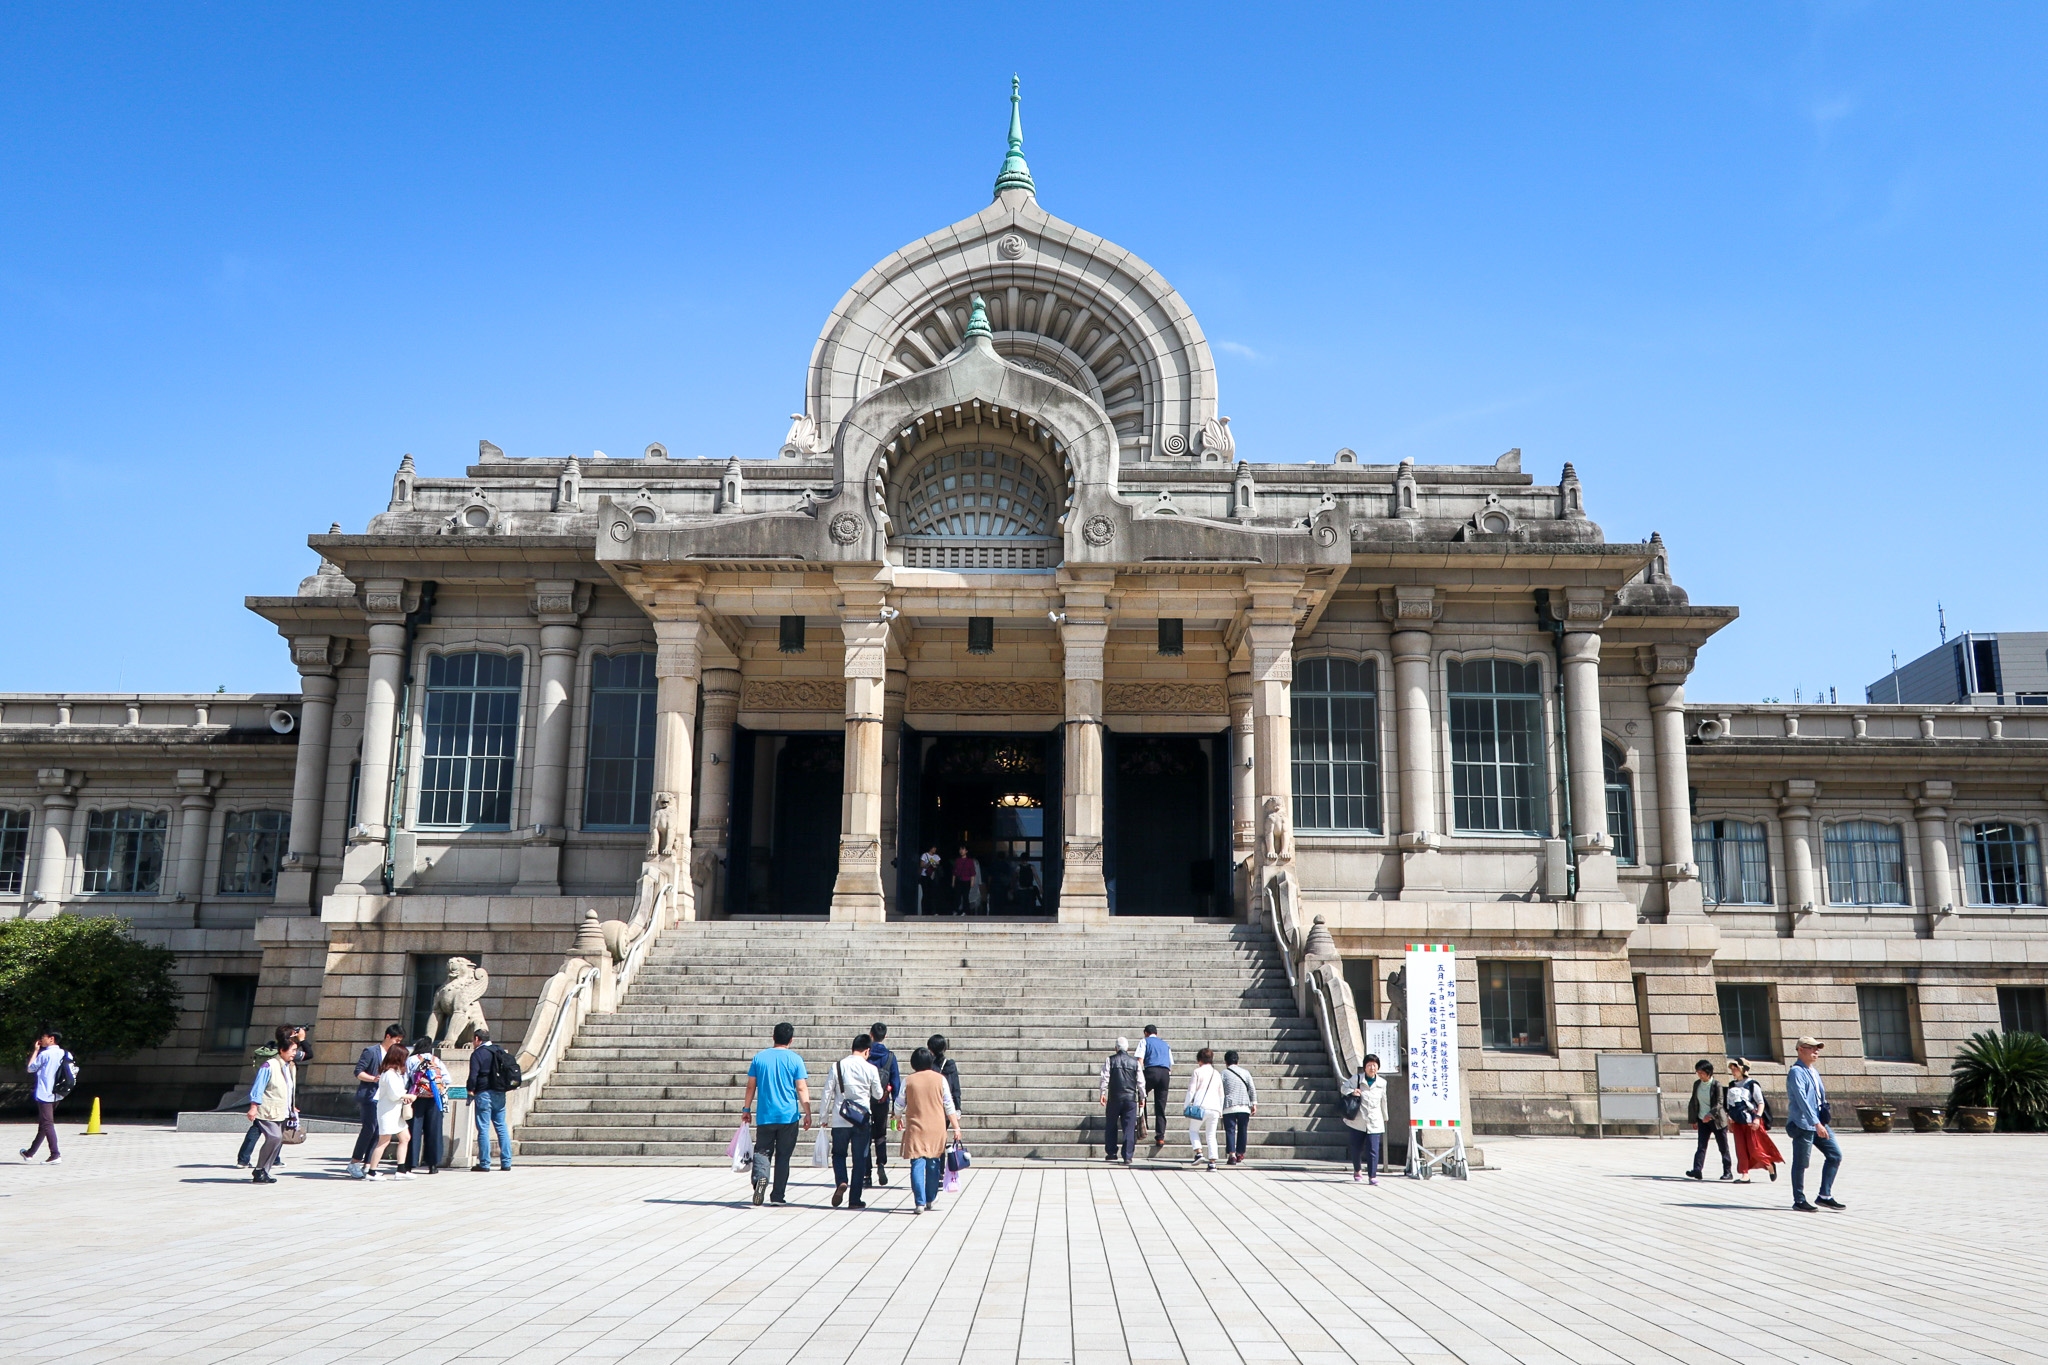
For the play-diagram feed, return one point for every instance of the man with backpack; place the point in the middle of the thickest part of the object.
(1122, 1096)
(492, 1072)
(55, 1073)
(884, 1063)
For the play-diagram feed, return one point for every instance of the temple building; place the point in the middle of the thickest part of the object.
(1010, 585)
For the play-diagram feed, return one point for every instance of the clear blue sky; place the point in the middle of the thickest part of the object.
(1771, 276)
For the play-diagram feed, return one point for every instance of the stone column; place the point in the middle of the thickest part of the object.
(709, 839)
(1413, 611)
(53, 860)
(1244, 798)
(895, 689)
(1270, 637)
(1795, 815)
(1937, 880)
(195, 813)
(317, 656)
(1585, 611)
(1084, 895)
(362, 869)
(678, 660)
(558, 604)
(1675, 865)
(857, 893)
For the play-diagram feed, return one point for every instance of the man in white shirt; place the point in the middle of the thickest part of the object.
(45, 1062)
(853, 1078)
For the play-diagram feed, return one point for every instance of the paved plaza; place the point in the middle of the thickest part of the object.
(146, 1245)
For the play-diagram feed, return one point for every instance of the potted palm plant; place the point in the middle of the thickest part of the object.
(2000, 1082)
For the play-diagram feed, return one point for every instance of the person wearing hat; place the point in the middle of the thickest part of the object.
(1709, 1118)
(1806, 1123)
(1749, 1116)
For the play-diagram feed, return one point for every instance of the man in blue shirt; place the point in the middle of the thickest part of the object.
(884, 1063)
(1158, 1076)
(1806, 1108)
(776, 1079)
(45, 1061)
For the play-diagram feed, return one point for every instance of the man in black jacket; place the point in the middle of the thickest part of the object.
(367, 1067)
(1706, 1111)
(884, 1063)
(487, 1098)
(1122, 1095)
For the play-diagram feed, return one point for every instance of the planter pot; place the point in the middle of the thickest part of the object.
(1875, 1120)
(1976, 1118)
(1927, 1120)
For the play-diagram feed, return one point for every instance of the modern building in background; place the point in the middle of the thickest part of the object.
(2008, 668)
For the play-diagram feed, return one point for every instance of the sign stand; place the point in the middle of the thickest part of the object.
(1431, 976)
(1451, 1160)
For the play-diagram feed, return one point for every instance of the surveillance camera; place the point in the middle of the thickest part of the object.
(890, 613)
(1058, 618)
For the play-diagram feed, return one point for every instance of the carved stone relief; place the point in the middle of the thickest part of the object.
(793, 694)
(976, 697)
(1163, 698)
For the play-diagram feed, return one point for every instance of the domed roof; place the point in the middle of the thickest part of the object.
(1060, 300)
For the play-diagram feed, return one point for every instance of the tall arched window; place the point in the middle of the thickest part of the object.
(618, 775)
(1336, 746)
(1497, 747)
(1621, 804)
(472, 740)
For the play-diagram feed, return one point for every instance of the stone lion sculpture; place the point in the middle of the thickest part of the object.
(458, 1005)
(1275, 840)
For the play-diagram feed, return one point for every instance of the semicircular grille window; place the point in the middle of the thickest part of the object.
(977, 494)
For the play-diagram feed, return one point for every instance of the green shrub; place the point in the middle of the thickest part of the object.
(2008, 1071)
(88, 977)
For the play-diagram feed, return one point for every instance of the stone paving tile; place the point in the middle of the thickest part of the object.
(147, 1246)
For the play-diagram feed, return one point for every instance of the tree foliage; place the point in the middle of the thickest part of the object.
(2008, 1071)
(91, 979)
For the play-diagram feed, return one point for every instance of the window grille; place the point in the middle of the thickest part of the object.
(234, 1006)
(1621, 805)
(1514, 1009)
(1746, 1022)
(251, 848)
(1887, 1020)
(1497, 747)
(2023, 1009)
(13, 851)
(618, 774)
(472, 741)
(124, 851)
(1336, 745)
(1734, 862)
(2004, 863)
(1866, 864)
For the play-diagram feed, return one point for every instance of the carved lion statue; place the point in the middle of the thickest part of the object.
(458, 1005)
(660, 827)
(1276, 842)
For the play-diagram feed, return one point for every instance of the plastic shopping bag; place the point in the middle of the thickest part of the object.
(742, 1149)
(951, 1181)
(821, 1151)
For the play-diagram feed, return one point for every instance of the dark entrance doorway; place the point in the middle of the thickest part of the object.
(1169, 833)
(997, 796)
(784, 844)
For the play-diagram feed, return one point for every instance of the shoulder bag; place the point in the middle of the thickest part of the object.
(850, 1109)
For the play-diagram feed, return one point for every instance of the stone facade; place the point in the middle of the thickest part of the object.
(1108, 656)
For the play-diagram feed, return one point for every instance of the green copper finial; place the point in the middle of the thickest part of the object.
(1015, 175)
(977, 320)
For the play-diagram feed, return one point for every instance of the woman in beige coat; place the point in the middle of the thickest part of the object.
(927, 1110)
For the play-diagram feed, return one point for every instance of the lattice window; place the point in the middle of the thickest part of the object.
(1336, 745)
(124, 851)
(618, 779)
(1497, 747)
(472, 739)
(977, 494)
(251, 848)
(1866, 864)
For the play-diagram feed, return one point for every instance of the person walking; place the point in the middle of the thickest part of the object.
(1158, 1076)
(1204, 1108)
(250, 1139)
(394, 1106)
(1368, 1123)
(943, 1064)
(489, 1070)
(1749, 1117)
(369, 1065)
(931, 886)
(1240, 1102)
(427, 1084)
(46, 1062)
(273, 1098)
(853, 1093)
(776, 1078)
(927, 1111)
(1707, 1114)
(966, 876)
(1806, 1123)
(1122, 1096)
(884, 1063)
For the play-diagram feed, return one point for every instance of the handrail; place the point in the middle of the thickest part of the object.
(1315, 973)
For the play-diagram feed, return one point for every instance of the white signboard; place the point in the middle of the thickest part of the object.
(1432, 976)
(1383, 1040)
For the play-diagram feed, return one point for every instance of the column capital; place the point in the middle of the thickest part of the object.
(678, 651)
(1931, 796)
(1584, 609)
(387, 601)
(1665, 663)
(196, 784)
(1411, 607)
(1795, 794)
(59, 785)
(559, 601)
(318, 654)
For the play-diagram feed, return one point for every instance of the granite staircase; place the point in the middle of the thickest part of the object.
(1030, 1010)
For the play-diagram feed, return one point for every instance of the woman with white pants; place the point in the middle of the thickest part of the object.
(1204, 1108)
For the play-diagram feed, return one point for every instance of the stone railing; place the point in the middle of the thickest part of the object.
(1315, 972)
(594, 976)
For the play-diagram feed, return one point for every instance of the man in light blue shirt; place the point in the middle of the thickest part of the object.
(1806, 1099)
(45, 1061)
(1158, 1077)
(776, 1078)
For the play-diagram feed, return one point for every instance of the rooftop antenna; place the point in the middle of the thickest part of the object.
(1941, 618)
(1895, 677)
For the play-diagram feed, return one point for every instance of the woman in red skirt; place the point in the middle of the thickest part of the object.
(1748, 1113)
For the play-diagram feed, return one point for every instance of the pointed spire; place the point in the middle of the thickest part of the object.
(1015, 175)
(977, 320)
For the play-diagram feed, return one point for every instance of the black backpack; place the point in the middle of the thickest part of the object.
(66, 1078)
(505, 1073)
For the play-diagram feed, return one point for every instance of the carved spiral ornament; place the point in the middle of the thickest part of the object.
(1011, 247)
(1175, 444)
(1326, 535)
(622, 531)
(844, 529)
(1098, 530)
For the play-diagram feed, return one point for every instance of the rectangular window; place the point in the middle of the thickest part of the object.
(124, 851)
(1866, 864)
(1734, 862)
(2023, 1009)
(1887, 1023)
(1514, 1011)
(13, 851)
(1497, 747)
(618, 775)
(471, 741)
(234, 1005)
(1746, 1022)
(2004, 863)
(1621, 805)
(1336, 746)
(250, 850)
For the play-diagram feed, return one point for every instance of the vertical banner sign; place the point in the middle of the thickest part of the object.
(1383, 1040)
(1432, 1035)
